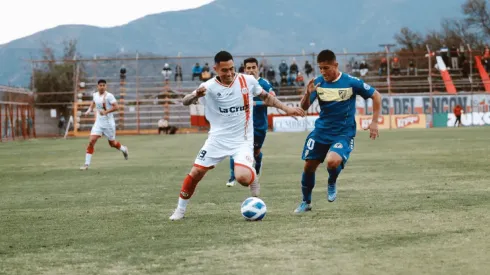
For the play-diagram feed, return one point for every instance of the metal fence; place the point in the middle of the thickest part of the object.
(149, 88)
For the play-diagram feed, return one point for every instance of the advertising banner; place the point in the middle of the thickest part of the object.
(293, 124)
(470, 119)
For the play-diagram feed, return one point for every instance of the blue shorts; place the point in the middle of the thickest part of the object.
(259, 138)
(318, 151)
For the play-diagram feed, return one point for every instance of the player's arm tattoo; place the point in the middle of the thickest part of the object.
(272, 101)
(190, 99)
(376, 105)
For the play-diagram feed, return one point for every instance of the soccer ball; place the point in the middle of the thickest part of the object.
(253, 209)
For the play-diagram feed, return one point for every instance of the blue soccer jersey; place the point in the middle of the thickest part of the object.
(260, 109)
(337, 102)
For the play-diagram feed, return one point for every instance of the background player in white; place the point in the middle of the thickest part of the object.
(228, 108)
(105, 103)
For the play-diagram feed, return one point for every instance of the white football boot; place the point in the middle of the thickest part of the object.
(178, 214)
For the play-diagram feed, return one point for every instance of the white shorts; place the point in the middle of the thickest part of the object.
(214, 152)
(108, 130)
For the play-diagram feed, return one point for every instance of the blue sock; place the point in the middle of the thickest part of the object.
(307, 184)
(232, 169)
(333, 174)
(258, 162)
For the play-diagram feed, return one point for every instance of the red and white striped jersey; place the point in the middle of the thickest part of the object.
(229, 108)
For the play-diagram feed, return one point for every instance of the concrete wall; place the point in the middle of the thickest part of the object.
(45, 124)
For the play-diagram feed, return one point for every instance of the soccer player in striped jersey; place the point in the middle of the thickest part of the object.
(227, 102)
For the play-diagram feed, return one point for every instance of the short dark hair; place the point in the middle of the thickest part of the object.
(101, 81)
(250, 60)
(222, 56)
(326, 56)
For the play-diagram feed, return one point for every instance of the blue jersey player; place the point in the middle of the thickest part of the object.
(333, 136)
(259, 118)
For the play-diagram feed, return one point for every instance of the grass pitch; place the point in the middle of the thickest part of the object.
(412, 202)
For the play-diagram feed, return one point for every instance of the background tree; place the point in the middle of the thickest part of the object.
(473, 29)
(56, 78)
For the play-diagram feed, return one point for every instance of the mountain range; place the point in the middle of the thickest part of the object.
(241, 27)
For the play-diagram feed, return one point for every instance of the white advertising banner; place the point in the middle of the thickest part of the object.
(470, 119)
(296, 124)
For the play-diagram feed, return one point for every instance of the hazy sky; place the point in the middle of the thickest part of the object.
(19, 18)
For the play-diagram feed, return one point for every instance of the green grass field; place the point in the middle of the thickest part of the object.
(412, 202)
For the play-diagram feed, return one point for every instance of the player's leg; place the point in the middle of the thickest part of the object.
(259, 138)
(90, 150)
(336, 159)
(314, 153)
(244, 172)
(110, 133)
(188, 187)
(231, 181)
(95, 134)
(207, 158)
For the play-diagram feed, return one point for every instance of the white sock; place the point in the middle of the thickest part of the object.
(183, 203)
(122, 148)
(88, 158)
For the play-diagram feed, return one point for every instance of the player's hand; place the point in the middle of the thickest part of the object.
(201, 91)
(311, 86)
(103, 113)
(86, 113)
(295, 111)
(373, 130)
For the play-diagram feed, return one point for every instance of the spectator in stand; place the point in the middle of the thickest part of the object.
(458, 110)
(355, 69)
(283, 73)
(206, 67)
(271, 77)
(395, 64)
(206, 73)
(241, 69)
(166, 72)
(293, 72)
(178, 73)
(293, 69)
(411, 68)
(308, 69)
(271, 74)
(461, 54)
(283, 68)
(466, 69)
(196, 71)
(383, 66)
(363, 68)
(163, 126)
(454, 57)
(61, 124)
(444, 54)
(300, 80)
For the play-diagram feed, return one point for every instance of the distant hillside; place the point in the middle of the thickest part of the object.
(242, 27)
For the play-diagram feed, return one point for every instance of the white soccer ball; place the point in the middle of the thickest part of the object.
(253, 209)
